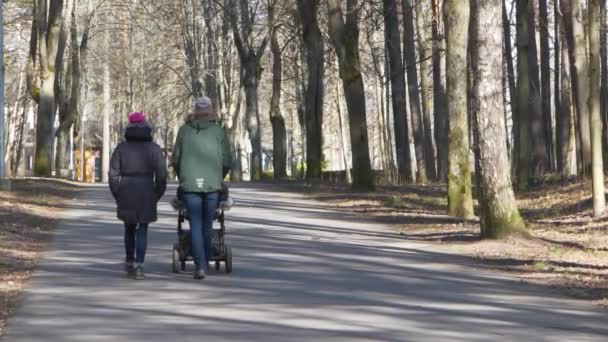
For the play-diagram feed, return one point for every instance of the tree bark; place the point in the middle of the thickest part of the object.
(524, 95)
(397, 78)
(44, 46)
(508, 57)
(499, 216)
(439, 98)
(211, 84)
(540, 158)
(599, 197)
(345, 38)
(604, 82)
(279, 133)
(409, 46)
(313, 41)
(460, 198)
(572, 9)
(545, 81)
(429, 151)
(251, 71)
(565, 126)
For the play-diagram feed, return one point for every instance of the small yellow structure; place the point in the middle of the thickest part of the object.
(89, 157)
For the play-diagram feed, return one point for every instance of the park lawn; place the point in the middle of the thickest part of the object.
(28, 215)
(565, 250)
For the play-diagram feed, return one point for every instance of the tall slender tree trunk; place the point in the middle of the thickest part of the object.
(345, 38)
(545, 81)
(604, 85)
(44, 48)
(540, 158)
(524, 95)
(397, 79)
(107, 107)
(499, 215)
(578, 58)
(279, 133)
(313, 41)
(565, 120)
(211, 87)
(508, 57)
(460, 198)
(599, 196)
(409, 46)
(439, 98)
(425, 92)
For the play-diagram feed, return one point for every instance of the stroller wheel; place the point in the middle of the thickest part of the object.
(228, 260)
(175, 257)
(217, 265)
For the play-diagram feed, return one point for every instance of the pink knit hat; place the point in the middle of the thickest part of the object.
(136, 117)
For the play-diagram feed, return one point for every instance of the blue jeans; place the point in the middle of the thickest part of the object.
(201, 210)
(136, 242)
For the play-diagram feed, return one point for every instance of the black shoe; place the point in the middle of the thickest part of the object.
(199, 275)
(130, 269)
(139, 273)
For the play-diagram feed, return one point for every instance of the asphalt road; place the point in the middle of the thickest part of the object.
(302, 272)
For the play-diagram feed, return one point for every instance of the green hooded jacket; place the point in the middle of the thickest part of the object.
(201, 154)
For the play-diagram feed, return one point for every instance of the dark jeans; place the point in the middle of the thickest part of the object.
(136, 242)
(201, 210)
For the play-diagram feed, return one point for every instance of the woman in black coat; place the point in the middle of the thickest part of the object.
(138, 179)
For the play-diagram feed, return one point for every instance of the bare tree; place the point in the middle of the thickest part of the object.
(43, 62)
(251, 70)
(593, 32)
(409, 47)
(345, 38)
(313, 47)
(397, 78)
(499, 215)
(460, 198)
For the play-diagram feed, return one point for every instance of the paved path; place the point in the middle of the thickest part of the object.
(301, 273)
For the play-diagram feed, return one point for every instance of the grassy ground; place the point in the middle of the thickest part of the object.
(566, 248)
(27, 216)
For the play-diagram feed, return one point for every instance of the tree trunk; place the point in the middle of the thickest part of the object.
(460, 199)
(524, 95)
(545, 81)
(566, 137)
(540, 159)
(251, 73)
(279, 133)
(211, 53)
(499, 215)
(44, 46)
(506, 22)
(599, 197)
(107, 107)
(578, 57)
(313, 41)
(345, 38)
(604, 85)
(409, 46)
(397, 78)
(429, 151)
(439, 99)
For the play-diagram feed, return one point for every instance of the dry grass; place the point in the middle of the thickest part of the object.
(27, 216)
(566, 248)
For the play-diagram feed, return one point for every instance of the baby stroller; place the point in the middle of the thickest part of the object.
(220, 252)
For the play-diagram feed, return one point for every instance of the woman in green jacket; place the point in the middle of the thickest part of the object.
(201, 159)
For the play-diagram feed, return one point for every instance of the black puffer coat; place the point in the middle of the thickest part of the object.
(138, 175)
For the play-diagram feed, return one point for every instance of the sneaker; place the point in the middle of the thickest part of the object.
(130, 269)
(199, 274)
(139, 273)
